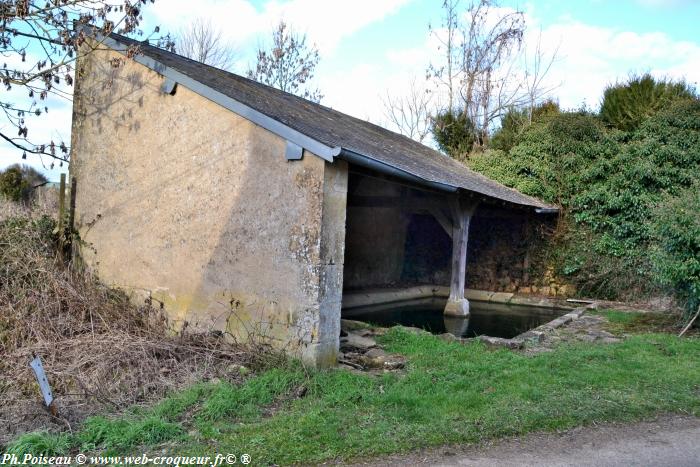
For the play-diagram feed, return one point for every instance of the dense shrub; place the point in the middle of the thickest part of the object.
(663, 156)
(549, 158)
(676, 225)
(12, 185)
(610, 184)
(18, 181)
(515, 121)
(453, 132)
(626, 105)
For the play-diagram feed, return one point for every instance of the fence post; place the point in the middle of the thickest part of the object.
(61, 211)
(71, 211)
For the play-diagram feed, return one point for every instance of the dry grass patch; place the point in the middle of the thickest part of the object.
(100, 351)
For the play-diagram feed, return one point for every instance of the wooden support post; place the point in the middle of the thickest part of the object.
(462, 211)
(61, 208)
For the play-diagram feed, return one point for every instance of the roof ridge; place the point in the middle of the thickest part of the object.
(327, 129)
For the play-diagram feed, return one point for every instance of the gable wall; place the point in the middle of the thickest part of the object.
(183, 200)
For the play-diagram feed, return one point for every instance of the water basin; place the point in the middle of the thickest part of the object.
(491, 319)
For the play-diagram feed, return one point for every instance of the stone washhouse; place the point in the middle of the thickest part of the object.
(244, 209)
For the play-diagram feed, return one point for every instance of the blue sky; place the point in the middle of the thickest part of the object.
(373, 47)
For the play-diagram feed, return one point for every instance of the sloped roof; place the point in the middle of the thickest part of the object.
(335, 129)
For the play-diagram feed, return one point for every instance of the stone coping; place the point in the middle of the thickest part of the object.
(535, 335)
(380, 296)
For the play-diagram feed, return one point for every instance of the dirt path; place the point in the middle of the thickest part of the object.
(667, 441)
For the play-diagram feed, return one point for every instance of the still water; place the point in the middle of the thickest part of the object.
(491, 319)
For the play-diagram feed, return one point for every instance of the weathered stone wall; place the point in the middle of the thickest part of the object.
(184, 201)
(500, 249)
(395, 247)
(428, 252)
(506, 253)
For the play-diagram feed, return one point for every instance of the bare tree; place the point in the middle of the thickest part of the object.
(39, 42)
(448, 73)
(289, 64)
(485, 69)
(410, 114)
(536, 69)
(203, 42)
(488, 44)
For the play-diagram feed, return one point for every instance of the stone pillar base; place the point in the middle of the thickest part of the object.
(321, 355)
(459, 307)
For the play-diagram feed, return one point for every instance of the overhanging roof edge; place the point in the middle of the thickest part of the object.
(326, 151)
(280, 129)
(382, 167)
(368, 162)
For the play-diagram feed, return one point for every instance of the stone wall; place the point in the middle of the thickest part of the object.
(395, 247)
(502, 244)
(183, 201)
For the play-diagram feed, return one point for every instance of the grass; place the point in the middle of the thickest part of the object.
(450, 393)
(40, 444)
(625, 322)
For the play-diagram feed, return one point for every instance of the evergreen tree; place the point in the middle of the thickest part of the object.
(453, 132)
(626, 105)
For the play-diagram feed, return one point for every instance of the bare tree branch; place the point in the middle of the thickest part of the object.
(39, 42)
(448, 73)
(537, 68)
(493, 70)
(410, 114)
(201, 41)
(288, 65)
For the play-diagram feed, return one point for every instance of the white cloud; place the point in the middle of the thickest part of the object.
(588, 57)
(325, 22)
(591, 57)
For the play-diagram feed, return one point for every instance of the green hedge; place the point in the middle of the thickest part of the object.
(617, 190)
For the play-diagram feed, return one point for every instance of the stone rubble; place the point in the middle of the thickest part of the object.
(360, 352)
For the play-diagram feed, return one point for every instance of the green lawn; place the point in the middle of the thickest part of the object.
(450, 393)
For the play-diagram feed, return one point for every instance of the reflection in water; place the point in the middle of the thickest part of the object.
(491, 319)
(456, 325)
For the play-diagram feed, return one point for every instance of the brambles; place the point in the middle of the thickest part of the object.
(99, 349)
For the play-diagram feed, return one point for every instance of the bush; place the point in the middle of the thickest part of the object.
(453, 132)
(676, 225)
(12, 185)
(18, 181)
(626, 105)
(550, 156)
(513, 123)
(516, 121)
(663, 156)
(609, 184)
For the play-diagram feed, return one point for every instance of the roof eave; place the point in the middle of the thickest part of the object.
(323, 151)
(381, 167)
